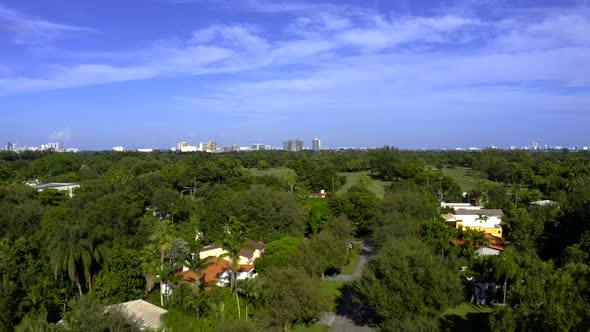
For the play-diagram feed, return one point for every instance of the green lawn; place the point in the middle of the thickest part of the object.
(466, 177)
(281, 173)
(377, 186)
(333, 289)
(354, 257)
(466, 317)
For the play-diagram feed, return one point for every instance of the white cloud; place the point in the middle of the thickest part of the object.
(383, 33)
(558, 31)
(241, 37)
(29, 30)
(350, 51)
(60, 135)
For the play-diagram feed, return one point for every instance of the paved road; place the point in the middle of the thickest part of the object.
(350, 317)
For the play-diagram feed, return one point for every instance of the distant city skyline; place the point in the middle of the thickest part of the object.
(411, 74)
(291, 145)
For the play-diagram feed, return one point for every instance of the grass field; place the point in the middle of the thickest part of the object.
(466, 177)
(333, 289)
(377, 186)
(281, 173)
(354, 257)
(466, 317)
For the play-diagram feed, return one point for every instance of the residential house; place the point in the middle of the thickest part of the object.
(461, 206)
(68, 187)
(212, 250)
(219, 271)
(145, 314)
(247, 256)
(495, 246)
(321, 194)
(485, 220)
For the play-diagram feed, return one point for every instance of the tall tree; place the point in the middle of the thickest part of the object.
(233, 243)
(505, 266)
(161, 237)
(69, 252)
(404, 282)
(288, 296)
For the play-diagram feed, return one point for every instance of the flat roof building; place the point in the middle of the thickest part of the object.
(293, 145)
(316, 144)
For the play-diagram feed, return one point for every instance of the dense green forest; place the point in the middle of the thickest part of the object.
(137, 216)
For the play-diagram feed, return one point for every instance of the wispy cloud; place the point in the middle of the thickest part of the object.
(30, 30)
(61, 135)
(341, 51)
(265, 6)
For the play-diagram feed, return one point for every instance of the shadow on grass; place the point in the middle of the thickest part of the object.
(478, 320)
(360, 314)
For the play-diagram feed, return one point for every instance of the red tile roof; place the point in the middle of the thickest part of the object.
(496, 242)
(246, 268)
(187, 276)
(210, 274)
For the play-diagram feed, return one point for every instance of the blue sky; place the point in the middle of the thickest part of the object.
(413, 74)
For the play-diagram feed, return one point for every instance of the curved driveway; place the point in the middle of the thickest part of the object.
(350, 317)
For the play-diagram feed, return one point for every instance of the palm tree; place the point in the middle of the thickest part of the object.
(233, 244)
(505, 266)
(199, 265)
(76, 248)
(248, 290)
(68, 251)
(97, 252)
(37, 296)
(472, 238)
(161, 237)
(150, 267)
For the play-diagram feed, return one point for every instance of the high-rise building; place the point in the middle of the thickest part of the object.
(257, 147)
(186, 147)
(293, 145)
(317, 144)
(57, 147)
(9, 146)
(209, 146)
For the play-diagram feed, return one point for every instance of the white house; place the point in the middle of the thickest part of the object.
(244, 272)
(461, 206)
(467, 216)
(61, 186)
